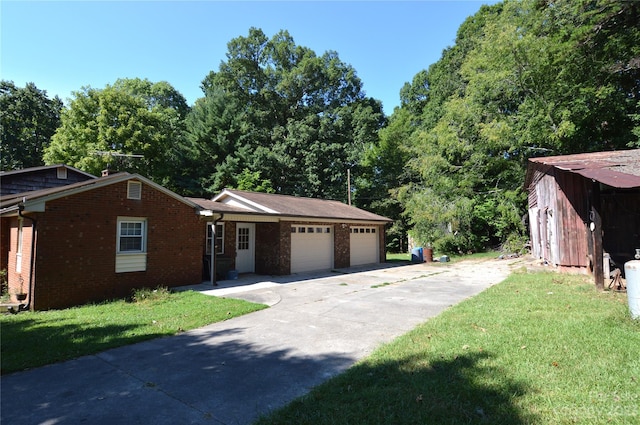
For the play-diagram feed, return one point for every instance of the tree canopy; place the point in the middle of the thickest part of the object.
(276, 112)
(102, 128)
(28, 119)
(524, 78)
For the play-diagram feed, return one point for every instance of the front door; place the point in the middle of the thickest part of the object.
(245, 247)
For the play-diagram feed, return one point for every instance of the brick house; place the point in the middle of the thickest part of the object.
(278, 234)
(97, 239)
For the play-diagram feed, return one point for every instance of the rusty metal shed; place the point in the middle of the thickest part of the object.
(582, 206)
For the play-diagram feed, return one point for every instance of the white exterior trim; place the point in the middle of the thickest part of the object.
(126, 263)
(131, 261)
(235, 200)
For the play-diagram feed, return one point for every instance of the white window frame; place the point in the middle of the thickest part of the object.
(142, 236)
(219, 238)
(131, 260)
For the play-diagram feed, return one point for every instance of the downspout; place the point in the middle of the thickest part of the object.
(213, 250)
(32, 260)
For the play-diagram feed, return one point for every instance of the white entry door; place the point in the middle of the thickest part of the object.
(245, 247)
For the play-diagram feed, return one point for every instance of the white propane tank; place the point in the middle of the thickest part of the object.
(632, 273)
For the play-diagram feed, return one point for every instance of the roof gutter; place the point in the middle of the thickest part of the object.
(8, 210)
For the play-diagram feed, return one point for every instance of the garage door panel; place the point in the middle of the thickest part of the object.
(364, 245)
(311, 248)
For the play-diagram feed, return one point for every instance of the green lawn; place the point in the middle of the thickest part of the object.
(397, 257)
(536, 349)
(32, 339)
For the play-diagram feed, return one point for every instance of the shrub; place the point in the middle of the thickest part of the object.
(148, 294)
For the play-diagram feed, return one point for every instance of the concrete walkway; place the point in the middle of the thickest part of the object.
(234, 371)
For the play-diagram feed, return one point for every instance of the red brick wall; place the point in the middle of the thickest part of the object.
(76, 248)
(284, 262)
(18, 281)
(382, 243)
(230, 242)
(341, 246)
(268, 248)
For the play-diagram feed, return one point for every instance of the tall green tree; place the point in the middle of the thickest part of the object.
(383, 170)
(28, 119)
(278, 111)
(524, 78)
(133, 125)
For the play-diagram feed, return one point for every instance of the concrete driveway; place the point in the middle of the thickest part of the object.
(234, 371)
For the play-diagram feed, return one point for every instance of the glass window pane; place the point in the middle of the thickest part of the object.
(130, 237)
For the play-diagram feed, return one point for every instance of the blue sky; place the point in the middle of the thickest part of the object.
(63, 46)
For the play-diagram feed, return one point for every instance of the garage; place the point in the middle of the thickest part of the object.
(311, 248)
(364, 245)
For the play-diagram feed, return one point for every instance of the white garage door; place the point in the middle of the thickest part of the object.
(364, 245)
(311, 248)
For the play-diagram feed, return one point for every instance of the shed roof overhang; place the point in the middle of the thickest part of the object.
(618, 169)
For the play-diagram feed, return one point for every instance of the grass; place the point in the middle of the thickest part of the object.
(382, 285)
(32, 339)
(399, 257)
(536, 349)
(393, 257)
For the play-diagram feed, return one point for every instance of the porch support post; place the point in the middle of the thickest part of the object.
(213, 253)
(213, 249)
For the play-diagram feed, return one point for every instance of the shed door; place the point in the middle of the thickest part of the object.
(364, 245)
(311, 248)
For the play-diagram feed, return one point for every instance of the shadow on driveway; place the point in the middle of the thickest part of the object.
(197, 377)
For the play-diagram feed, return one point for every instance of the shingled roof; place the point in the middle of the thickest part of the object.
(244, 202)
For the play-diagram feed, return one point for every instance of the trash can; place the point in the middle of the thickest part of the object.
(417, 255)
(632, 273)
(428, 255)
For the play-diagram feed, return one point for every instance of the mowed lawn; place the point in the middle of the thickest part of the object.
(32, 339)
(538, 348)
